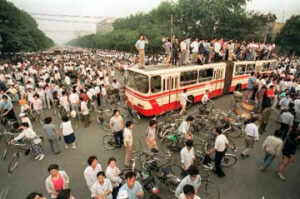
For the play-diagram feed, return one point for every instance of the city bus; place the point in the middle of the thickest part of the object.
(156, 89)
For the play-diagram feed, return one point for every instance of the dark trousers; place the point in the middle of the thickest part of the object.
(262, 127)
(119, 137)
(99, 99)
(218, 159)
(285, 128)
(115, 192)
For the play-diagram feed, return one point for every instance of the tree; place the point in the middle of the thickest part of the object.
(289, 37)
(19, 31)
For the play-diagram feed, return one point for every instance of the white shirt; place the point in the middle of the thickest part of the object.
(111, 174)
(183, 128)
(195, 46)
(98, 189)
(66, 128)
(182, 196)
(74, 98)
(204, 99)
(183, 98)
(252, 131)
(90, 175)
(67, 80)
(187, 157)
(128, 136)
(220, 143)
(84, 108)
(26, 133)
(187, 180)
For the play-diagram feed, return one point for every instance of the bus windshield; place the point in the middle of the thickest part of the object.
(138, 82)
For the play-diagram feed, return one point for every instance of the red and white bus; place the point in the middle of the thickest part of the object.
(156, 89)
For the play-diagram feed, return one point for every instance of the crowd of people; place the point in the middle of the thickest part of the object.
(74, 81)
(278, 90)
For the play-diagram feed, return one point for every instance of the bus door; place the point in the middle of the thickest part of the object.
(218, 85)
(171, 97)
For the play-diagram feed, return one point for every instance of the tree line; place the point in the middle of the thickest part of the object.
(19, 31)
(205, 19)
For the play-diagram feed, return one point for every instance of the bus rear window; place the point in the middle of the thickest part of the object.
(138, 82)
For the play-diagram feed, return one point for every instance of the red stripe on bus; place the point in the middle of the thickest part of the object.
(156, 109)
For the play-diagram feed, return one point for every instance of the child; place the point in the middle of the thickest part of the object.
(205, 97)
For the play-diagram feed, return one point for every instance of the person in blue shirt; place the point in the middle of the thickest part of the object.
(7, 109)
(133, 188)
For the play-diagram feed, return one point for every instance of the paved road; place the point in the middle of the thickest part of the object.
(243, 181)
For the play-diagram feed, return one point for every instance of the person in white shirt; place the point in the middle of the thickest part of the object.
(184, 52)
(221, 144)
(272, 146)
(252, 135)
(74, 100)
(23, 118)
(193, 178)
(85, 113)
(187, 155)
(184, 128)
(195, 49)
(205, 97)
(68, 132)
(68, 82)
(128, 142)
(183, 100)
(90, 173)
(102, 188)
(188, 193)
(64, 101)
(113, 174)
(35, 142)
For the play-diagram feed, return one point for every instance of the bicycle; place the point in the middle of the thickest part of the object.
(144, 177)
(208, 189)
(109, 143)
(21, 148)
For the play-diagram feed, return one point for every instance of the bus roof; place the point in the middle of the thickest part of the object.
(163, 69)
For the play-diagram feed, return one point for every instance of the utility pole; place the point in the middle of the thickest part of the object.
(172, 30)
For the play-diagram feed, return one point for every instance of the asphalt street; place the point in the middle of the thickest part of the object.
(242, 181)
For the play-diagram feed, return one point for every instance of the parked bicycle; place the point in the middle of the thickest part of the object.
(109, 143)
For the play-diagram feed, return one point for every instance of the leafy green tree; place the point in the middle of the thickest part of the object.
(19, 31)
(289, 37)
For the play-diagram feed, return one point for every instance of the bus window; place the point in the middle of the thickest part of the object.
(250, 68)
(138, 82)
(266, 66)
(155, 84)
(240, 69)
(188, 78)
(164, 84)
(206, 75)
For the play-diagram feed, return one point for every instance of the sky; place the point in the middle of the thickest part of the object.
(62, 32)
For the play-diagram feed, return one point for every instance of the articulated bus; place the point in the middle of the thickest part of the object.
(156, 89)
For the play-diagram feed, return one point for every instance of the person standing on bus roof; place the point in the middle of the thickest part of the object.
(140, 46)
(183, 100)
(168, 48)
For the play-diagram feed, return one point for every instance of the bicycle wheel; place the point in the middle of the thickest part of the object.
(174, 175)
(168, 146)
(228, 160)
(136, 146)
(7, 146)
(236, 131)
(144, 160)
(209, 190)
(109, 141)
(232, 145)
(13, 163)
